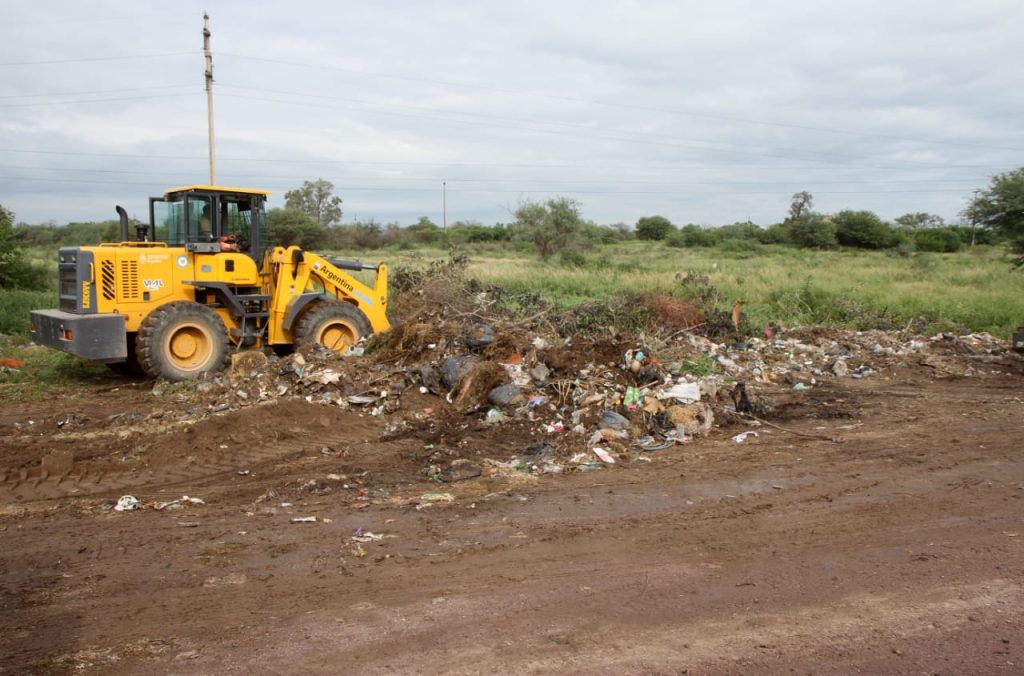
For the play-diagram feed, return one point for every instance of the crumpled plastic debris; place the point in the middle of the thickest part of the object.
(127, 503)
(743, 436)
(366, 536)
(686, 393)
(183, 500)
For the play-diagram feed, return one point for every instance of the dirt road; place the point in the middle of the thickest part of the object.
(898, 550)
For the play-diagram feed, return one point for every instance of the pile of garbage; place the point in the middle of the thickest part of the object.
(581, 402)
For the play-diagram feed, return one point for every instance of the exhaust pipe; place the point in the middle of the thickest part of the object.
(123, 215)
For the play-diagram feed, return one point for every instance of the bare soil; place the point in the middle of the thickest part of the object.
(898, 548)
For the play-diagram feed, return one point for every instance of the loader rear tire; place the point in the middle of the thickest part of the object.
(182, 340)
(333, 324)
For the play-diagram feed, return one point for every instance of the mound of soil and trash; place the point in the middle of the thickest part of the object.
(649, 495)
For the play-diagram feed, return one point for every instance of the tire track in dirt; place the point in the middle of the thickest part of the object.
(21, 486)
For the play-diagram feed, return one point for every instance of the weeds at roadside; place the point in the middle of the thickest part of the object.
(41, 371)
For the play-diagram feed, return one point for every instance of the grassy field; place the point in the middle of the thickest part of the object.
(974, 290)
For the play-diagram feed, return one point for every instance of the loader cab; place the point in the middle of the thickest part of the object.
(210, 219)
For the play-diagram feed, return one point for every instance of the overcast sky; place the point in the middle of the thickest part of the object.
(701, 112)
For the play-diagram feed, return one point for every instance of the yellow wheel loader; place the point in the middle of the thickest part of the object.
(199, 282)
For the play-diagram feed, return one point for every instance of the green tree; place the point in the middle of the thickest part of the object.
(862, 229)
(738, 230)
(777, 233)
(1001, 208)
(16, 272)
(943, 240)
(812, 231)
(690, 235)
(918, 220)
(316, 199)
(290, 226)
(423, 231)
(551, 226)
(653, 227)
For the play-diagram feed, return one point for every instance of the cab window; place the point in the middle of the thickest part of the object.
(167, 217)
(201, 220)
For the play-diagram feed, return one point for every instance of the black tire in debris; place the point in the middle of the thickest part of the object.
(182, 340)
(334, 324)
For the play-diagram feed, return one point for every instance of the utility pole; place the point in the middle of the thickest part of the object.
(444, 204)
(974, 220)
(209, 97)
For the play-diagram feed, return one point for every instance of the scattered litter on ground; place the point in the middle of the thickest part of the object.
(127, 503)
(506, 398)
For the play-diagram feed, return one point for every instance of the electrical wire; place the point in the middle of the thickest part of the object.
(356, 189)
(93, 59)
(98, 91)
(306, 160)
(627, 106)
(458, 179)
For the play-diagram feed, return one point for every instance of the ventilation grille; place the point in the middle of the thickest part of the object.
(107, 282)
(129, 280)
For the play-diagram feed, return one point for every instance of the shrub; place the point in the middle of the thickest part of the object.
(473, 231)
(862, 229)
(290, 226)
(812, 231)
(690, 236)
(16, 272)
(15, 307)
(741, 246)
(572, 259)
(777, 233)
(602, 234)
(550, 226)
(741, 230)
(423, 231)
(940, 240)
(979, 234)
(654, 228)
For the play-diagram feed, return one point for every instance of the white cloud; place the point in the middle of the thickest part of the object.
(702, 112)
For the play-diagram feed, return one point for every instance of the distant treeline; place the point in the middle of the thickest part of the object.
(858, 229)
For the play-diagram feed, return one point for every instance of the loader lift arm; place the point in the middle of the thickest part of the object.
(300, 280)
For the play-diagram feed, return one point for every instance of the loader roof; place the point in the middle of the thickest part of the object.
(218, 188)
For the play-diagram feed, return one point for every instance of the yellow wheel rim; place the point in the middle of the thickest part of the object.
(189, 347)
(337, 335)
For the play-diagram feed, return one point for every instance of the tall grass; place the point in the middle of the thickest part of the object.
(929, 292)
(16, 304)
(975, 289)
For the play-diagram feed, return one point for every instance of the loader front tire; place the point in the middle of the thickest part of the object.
(334, 324)
(182, 340)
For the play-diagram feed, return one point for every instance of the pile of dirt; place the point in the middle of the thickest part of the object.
(461, 372)
(458, 367)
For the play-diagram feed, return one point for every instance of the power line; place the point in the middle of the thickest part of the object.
(387, 109)
(95, 91)
(306, 160)
(458, 179)
(106, 100)
(91, 59)
(658, 140)
(354, 189)
(628, 106)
